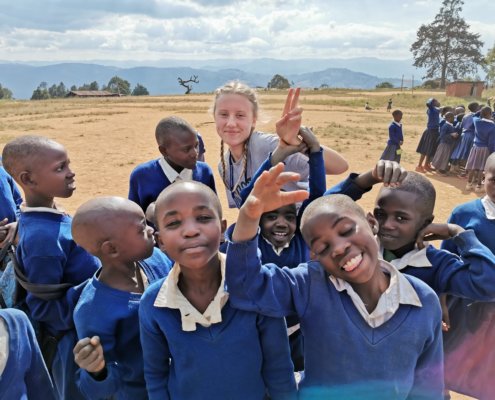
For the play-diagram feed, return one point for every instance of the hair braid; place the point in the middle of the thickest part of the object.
(222, 160)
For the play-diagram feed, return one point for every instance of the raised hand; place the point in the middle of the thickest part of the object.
(437, 232)
(288, 125)
(390, 173)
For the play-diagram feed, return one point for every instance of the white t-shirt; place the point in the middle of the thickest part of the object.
(259, 147)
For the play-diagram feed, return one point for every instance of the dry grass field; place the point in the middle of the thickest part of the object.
(107, 138)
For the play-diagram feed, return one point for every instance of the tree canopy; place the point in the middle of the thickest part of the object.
(278, 82)
(5, 93)
(118, 85)
(140, 90)
(446, 47)
(490, 65)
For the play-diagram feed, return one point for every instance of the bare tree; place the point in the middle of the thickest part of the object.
(192, 79)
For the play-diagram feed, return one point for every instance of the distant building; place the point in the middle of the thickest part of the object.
(465, 88)
(91, 93)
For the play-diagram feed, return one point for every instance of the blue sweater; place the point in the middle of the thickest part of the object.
(344, 357)
(485, 134)
(471, 275)
(118, 331)
(47, 254)
(433, 116)
(25, 375)
(148, 180)
(242, 357)
(446, 132)
(10, 197)
(395, 134)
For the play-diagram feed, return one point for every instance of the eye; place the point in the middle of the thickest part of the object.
(172, 224)
(240, 115)
(204, 218)
(290, 218)
(347, 230)
(321, 250)
(379, 213)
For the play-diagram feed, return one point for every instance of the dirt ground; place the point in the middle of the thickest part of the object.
(107, 138)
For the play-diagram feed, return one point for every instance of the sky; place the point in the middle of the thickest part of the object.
(145, 30)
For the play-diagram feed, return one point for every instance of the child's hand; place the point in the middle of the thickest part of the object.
(310, 139)
(390, 173)
(437, 232)
(445, 313)
(266, 194)
(7, 232)
(284, 150)
(88, 354)
(288, 126)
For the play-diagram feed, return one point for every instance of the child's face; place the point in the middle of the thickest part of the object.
(189, 227)
(234, 118)
(51, 175)
(343, 243)
(181, 150)
(399, 217)
(490, 183)
(397, 117)
(278, 226)
(135, 238)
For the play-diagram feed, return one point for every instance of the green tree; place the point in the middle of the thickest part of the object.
(140, 90)
(73, 87)
(41, 92)
(5, 93)
(119, 85)
(490, 65)
(384, 85)
(445, 47)
(94, 86)
(278, 82)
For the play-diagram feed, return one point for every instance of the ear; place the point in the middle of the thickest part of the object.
(223, 225)
(26, 178)
(163, 150)
(427, 221)
(158, 240)
(373, 223)
(108, 248)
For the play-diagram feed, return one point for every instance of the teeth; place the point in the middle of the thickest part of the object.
(280, 234)
(352, 263)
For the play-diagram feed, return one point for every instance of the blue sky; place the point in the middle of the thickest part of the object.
(144, 30)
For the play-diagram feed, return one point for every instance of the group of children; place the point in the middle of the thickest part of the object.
(304, 281)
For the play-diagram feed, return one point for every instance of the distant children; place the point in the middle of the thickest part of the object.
(10, 202)
(393, 150)
(483, 146)
(106, 317)
(52, 266)
(236, 110)
(178, 144)
(195, 344)
(389, 105)
(23, 373)
(367, 107)
(461, 152)
(429, 140)
(447, 142)
(470, 342)
(356, 311)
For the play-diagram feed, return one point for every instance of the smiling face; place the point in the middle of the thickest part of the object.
(400, 217)
(343, 243)
(278, 226)
(189, 226)
(234, 119)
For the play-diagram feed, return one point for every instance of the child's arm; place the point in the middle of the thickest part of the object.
(472, 275)
(7, 232)
(277, 369)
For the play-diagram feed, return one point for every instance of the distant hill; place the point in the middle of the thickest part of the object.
(22, 79)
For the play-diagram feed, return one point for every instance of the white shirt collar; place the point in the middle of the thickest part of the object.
(399, 291)
(397, 123)
(277, 250)
(170, 296)
(450, 123)
(414, 258)
(488, 120)
(489, 207)
(57, 210)
(172, 175)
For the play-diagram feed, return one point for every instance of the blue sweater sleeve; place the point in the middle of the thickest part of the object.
(134, 188)
(267, 289)
(317, 180)
(349, 188)
(156, 353)
(472, 275)
(277, 369)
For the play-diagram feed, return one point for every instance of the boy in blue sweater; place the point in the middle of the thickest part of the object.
(52, 265)
(178, 144)
(357, 312)
(114, 230)
(195, 345)
(10, 202)
(23, 373)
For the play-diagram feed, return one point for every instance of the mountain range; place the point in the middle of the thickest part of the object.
(357, 73)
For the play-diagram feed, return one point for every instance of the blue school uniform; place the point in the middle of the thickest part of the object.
(366, 366)
(10, 197)
(25, 375)
(240, 355)
(148, 180)
(112, 315)
(395, 138)
(485, 134)
(47, 254)
(461, 152)
(429, 139)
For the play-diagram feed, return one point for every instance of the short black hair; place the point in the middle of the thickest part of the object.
(170, 125)
(19, 153)
(486, 112)
(422, 188)
(474, 106)
(397, 112)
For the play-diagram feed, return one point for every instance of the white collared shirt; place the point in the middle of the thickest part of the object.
(488, 120)
(399, 291)
(172, 175)
(414, 258)
(56, 210)
(489, 207)
(397, 123)
(170, 296)
(277, 250)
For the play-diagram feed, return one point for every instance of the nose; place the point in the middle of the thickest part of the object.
(190, 228)
(70, 174)
(280, 221)
(387, 224)
(340, 247)
(231, 120)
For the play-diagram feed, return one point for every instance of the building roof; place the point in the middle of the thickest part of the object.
(92, 93)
